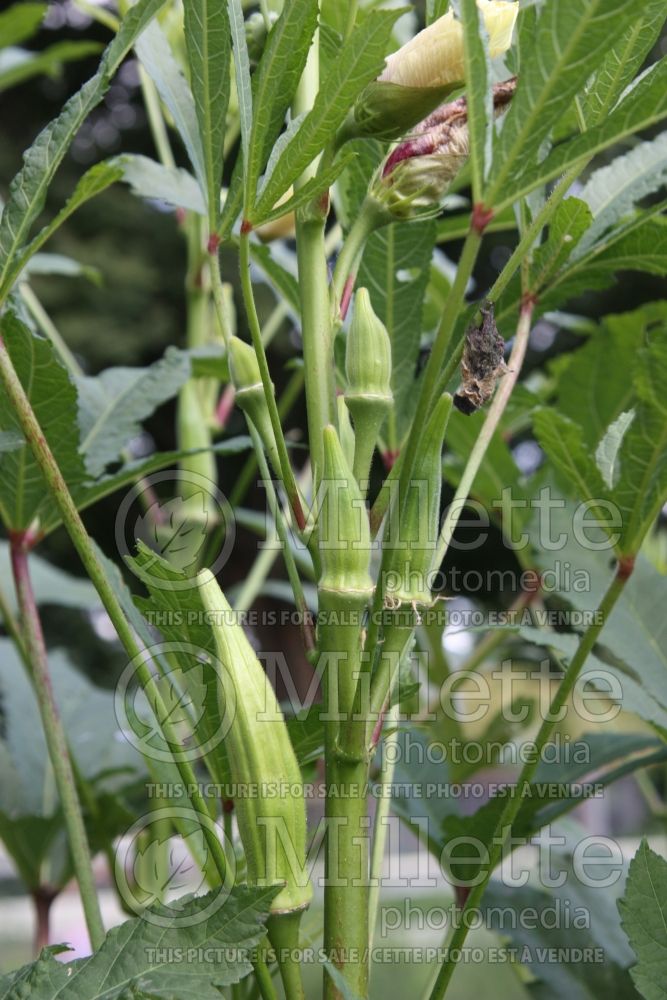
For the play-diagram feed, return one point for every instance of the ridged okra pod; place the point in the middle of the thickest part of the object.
(272, 824)
(368, 370)
(345, 588)
(412, 539)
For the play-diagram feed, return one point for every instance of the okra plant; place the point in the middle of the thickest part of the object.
(363, 167)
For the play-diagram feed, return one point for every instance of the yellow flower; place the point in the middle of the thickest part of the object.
(434, 57)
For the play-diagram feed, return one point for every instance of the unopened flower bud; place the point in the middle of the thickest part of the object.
(247, 381)
(426, 69)
(417, 174)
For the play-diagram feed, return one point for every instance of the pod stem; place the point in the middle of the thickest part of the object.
(283, 930)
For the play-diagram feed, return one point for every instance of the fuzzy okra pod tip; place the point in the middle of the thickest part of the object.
(270, 807)
(368, 368)
(247, 381)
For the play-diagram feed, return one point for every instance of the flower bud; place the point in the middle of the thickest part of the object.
(261, 759)
(247, 381)
(426, 69)
(368, 368)
(417, 174)
(407, 569)
(344, 536)
(256, 34)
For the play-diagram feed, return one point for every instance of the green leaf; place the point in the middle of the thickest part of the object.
(560, 44)
(64, 267)
(643, 248)
(178, 612)
(642, 486)
(478, 95)
(360, 61)
(137, 958)
(643, 106)
(158, 60)
(643, 911)
(308, 192)
(150, 179)
(622, 62)
(93, 182)
(395, 269)
(113, 404)
(614, 190)
(18, 65)
(561, 439)
(27, 191)
(242, 68)
(23, 494)
(607, 451)
(19, 22)
(275, 82)
(208, 45)
(570, 222)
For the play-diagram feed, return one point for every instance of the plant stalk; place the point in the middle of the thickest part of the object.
(56, 741)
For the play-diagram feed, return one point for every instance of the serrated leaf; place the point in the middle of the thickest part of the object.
(113, 404)
(308, 192)
(150, 179)
(158, 60)
(242, 70)
(569, 224)
(622, 62)
(643, 106)
(643, 911)
(23, 493)
(606, 454)
(560, 44)
(275, 82)
(183, 696)
(614, 190)
(478, 94)
(208, 45)
(395, 269)
(360, 61)
(27, 191)
(139, 954)
(93, 182)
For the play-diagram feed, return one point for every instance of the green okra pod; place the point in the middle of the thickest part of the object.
(261, 760)
(247, 381)
(368, 370)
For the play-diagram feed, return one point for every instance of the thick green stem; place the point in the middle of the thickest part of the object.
(316, 334)
(56, 742)
(99, 577)
(382, 810)
(514, 802)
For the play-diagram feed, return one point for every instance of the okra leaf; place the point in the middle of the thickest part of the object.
(574, 463)
(633, 645)
(561, 42)
(569, 225)
(176, 608)
(619, 66)
(275, 82)
(113, 404)
(313, 189)
(20, 22)
(137, 956)
(395, 268)
(52, 394)
(644, 105)
(155, 55)
(27, 191)
(150, 179)
(64, 267)
(208, 44)
(242, 73)
(48, 62)
(51, 584)
(643, 911)
(360, 61)
(478, 94)
(94, 182)
(613, 191)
